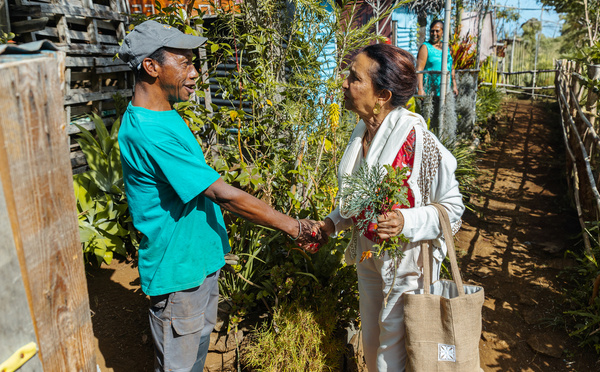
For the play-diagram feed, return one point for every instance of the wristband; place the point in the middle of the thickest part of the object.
(299, 230)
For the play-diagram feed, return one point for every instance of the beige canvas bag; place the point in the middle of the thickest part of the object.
(443, 320)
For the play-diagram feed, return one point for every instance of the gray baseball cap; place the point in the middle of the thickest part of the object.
(147, 37)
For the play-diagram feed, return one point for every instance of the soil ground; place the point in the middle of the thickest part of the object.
(512, 244)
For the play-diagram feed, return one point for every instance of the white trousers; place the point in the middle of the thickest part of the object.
(383, 326)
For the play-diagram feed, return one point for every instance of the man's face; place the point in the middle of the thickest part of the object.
(177, 75)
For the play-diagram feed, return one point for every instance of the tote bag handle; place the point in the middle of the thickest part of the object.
(427, 252)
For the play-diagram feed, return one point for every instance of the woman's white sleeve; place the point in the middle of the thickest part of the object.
(339, 222)
(422, 223)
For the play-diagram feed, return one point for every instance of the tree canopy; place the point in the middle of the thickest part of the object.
(582, 21)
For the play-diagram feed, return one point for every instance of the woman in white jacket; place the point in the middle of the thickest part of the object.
(381, 79)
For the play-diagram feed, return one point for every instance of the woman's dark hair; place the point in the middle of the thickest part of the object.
(395, 71)
(436, 22)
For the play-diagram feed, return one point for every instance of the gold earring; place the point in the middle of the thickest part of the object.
(377, 109)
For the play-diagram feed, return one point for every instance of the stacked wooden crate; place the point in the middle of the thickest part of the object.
(89, 32)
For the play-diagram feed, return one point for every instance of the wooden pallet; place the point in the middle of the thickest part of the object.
(76, 26)
(89, 32)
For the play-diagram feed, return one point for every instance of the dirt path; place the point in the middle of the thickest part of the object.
(513, 245)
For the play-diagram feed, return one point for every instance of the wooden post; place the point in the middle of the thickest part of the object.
(576, 87)
(35, 174)
(4, 18)
(422, 22)
(592, 101)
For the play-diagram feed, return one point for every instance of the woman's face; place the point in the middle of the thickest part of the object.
(359, 93)
(435, 33)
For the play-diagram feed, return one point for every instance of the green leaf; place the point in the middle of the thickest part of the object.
(86, 232)
(115, 127)
(243, 178)
(83, 197)
(100, 180)
(214, 48)
(108, 256)
(86, 136)
(112, 228)
(220, 165)
(100, 127)
(116, 172)
(309, 275)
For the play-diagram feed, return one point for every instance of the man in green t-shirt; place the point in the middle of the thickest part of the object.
(175, 199)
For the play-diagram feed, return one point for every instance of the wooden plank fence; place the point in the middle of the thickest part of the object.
(530, 82)
(40, 210)
(582, 142)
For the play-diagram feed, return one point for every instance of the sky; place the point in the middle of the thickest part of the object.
(532, 9)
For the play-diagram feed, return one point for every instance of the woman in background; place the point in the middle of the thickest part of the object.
(430, 59)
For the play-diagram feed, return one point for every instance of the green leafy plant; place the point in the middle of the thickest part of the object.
(583, 317)
(489, 71)
(105, 225)
(100, 232)
(589, 54)
(467, 170)
(280, 145)
(488, 102)
(6, 37)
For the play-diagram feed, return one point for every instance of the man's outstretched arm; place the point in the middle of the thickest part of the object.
(259, 212)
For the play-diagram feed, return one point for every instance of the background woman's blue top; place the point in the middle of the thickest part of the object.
(432, 82)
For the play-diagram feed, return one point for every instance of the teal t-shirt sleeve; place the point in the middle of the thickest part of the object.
(187, 173)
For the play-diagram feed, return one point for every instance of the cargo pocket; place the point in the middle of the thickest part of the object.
(187, 322)
(181, 350)
(186, 326)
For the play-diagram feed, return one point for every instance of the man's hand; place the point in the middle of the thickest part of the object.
(311, 237)
(390, 224)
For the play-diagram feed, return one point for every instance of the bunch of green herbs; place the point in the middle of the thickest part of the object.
(373, 191)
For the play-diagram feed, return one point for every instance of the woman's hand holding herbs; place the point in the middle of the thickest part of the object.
(390, 224)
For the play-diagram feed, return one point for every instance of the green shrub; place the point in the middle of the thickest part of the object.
(582, 319)
(299, 339)
(488, 102)
(467, 170)
(105, 226)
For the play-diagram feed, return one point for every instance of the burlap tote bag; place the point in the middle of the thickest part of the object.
(443, 320)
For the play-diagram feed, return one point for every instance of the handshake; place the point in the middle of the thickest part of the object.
(313, 234)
